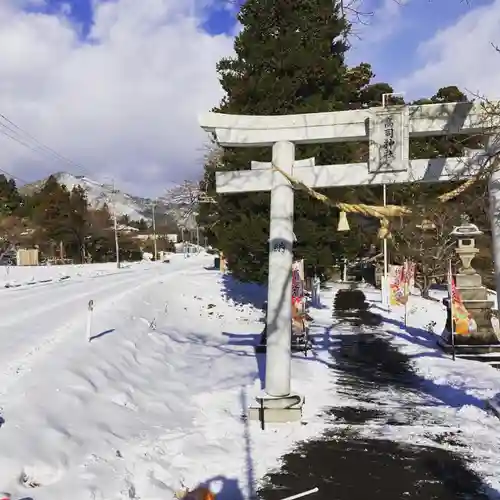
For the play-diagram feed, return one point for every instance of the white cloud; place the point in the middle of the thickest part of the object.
(373, 23)
(124, 105)
(462, 55)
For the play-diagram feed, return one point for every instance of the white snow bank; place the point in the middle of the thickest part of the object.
(17, 276)
(156, 399)
(459, 388)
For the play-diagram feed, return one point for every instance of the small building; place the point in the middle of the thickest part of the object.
(126, 229)
(186, 247)
(147, 256)
(27, 257)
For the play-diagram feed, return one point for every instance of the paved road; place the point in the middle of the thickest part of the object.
(33, 320)
(379, 395)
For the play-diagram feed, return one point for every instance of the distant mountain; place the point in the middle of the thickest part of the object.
(179, 203)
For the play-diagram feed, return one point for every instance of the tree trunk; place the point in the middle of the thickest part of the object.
(83, 253)
(426, 285)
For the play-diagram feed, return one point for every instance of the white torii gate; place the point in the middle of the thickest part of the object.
(387, 130)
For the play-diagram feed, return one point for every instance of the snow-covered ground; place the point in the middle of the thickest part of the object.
(21, 276)
(156, 399)
(461, 387)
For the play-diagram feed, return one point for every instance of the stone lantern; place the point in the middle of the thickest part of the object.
(466, 249)
(469, 284)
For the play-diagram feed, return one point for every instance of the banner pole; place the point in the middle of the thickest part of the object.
(452, 322)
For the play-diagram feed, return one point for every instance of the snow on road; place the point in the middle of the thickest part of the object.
(154, 400)
(35, 276)
(458, 389)
(33, 319)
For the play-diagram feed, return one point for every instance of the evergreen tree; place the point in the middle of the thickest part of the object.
(289, 59)
(124, 219)
(140, 224)
(79, 222)
(10, 199)
(51, 211)
(100, 245)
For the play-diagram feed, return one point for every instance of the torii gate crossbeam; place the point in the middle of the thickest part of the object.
(388, 131)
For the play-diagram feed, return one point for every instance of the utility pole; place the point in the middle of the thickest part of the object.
(154, 232)
(385, 285)
(115, 226)
(198, 238)
(385, 288)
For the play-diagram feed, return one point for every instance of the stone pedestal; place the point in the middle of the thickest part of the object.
(473, 294)
(475, 298)
(277, 410)
(471, 287)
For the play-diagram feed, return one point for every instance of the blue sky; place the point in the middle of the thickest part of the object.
(389, 42)
(220, 18)
(395, 54)
(126, 105)
(81, 11)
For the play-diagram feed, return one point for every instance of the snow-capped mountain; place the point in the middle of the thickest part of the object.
(179, 203)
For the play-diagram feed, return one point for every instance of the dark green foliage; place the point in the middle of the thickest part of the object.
(54, 218)
(51, 210)
(10, 200)
(349, 300)
(290, 59)
(140, 224)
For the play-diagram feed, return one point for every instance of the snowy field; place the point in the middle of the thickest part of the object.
(24, 276)
(155, 400)
(461, 387)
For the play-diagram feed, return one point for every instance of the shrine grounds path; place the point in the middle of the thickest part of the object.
(345, 464)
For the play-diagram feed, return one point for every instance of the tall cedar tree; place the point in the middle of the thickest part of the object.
(289, 59)
(12, 226)
(10, 199)
(101, 245)
(51, 210)
(79, 224)
(62, 217)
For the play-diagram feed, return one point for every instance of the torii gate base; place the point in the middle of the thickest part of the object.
(277, 414)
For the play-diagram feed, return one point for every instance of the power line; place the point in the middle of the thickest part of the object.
(39, 144)
(16, 139)
(14, 132)
(15, 177)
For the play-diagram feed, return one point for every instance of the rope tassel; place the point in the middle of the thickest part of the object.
(384, 231)
(380, 212)
(343, 224)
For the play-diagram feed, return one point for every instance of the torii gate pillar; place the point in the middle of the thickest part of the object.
(278, 403)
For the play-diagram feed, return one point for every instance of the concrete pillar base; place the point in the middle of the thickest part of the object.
(268, 409)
